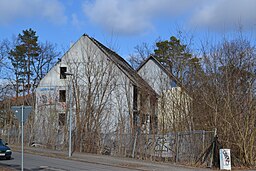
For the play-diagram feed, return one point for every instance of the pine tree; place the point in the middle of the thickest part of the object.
(22, 58)
(175, 56)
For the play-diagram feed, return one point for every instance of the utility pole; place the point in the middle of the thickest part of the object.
(70, 115)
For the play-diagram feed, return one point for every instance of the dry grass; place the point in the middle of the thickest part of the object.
(6, 169)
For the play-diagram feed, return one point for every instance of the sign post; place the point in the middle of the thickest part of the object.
(22, 113)
(225, 159)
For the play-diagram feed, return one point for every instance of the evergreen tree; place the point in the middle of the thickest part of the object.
(22, 57)
(176, 57)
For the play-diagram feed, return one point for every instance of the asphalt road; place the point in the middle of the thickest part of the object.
(36, 163)
(58, 160)
(35, 159)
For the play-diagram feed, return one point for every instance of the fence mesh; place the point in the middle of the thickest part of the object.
(177, 147)
(182, 147)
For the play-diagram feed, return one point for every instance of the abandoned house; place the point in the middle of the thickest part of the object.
(101, 89)
(173, 102)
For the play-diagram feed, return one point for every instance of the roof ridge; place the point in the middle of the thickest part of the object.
(113, 52)
(123, 65)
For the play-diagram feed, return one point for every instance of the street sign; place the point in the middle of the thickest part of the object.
(22, 113)
(225, 159)
(17, 110)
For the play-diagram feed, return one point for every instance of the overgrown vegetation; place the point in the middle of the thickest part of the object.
(219, 81)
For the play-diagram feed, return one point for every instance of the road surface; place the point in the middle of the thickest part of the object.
(37, 162)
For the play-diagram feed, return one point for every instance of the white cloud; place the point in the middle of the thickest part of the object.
(225, 14)
(125, 16)
(116, 15)
(138, 16)
(51, 10)
(131, 16)
(75, 21)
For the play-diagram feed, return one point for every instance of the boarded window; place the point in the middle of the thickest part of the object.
(62, 119)
(63, 71)
(62, 96)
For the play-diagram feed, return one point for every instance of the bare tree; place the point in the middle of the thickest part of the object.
(141, 53)
(103, 95)
(224, 96)
(95, 82)
(44, 62)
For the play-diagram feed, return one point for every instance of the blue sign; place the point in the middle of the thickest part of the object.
(18, 110)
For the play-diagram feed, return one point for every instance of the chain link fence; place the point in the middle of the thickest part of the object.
(182, 147)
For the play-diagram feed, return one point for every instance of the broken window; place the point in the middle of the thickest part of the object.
(62, 119)
(63, 71)
(62, 96)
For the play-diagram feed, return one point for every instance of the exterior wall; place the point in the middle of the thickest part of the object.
(174, 108)
(156, 77)
(173, 102)
(100, 89)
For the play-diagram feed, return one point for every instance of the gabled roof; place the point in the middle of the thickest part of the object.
(119, 62)
(168, 72)
(123, 66)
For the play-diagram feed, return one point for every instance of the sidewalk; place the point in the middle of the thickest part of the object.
(109, 160)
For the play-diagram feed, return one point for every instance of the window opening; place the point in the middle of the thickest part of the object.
(62, 119)
(62, 96)
(63, 71)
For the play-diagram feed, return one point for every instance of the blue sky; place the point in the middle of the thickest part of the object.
(123, 24)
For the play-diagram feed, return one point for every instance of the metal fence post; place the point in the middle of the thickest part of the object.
(213, 146)
(177, 147)
(134, 144)
(203, 139)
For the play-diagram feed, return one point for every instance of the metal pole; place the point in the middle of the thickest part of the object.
(134, 144)
(22, 137)
(177, 148)
(70, 119)
(203, 138)
(213, 146)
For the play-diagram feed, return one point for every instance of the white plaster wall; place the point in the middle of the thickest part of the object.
(173, 101)
(155, 76)
(174, 108)
(82, 57)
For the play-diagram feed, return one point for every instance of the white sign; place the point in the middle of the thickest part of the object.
(225, 159)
